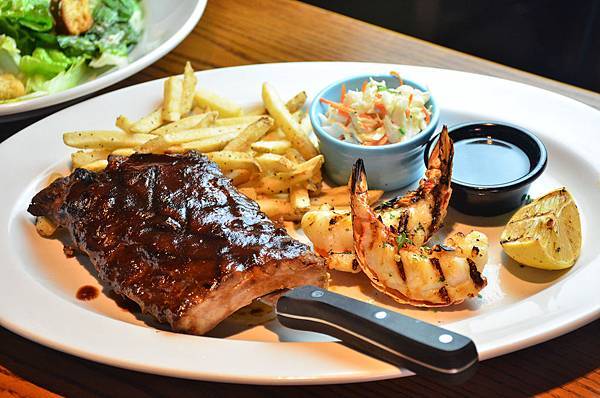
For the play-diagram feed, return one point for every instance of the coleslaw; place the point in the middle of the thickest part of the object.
(377, 114)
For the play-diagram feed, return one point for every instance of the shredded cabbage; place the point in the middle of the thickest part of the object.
(377, 115)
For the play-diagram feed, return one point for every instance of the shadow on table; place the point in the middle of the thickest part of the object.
(528, 372)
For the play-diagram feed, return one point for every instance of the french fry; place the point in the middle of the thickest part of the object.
(225, 107)
(123, 152)
(274, 135)
(278, 209)
(147, 123)
(175, 149)
(173, 91)
(208, 144)
(80, 158)
(299, 199)
(297, 102)
(202, 133)
(305, 125)
(161, 142)
(250, 134)
(255, 111)
(278, 147)
(239, 176)
(266, 152)
(228, 121)
(304, 171)
(45, 227)
(284, 119)
(293, 155)
(249, 192)
(96, 166)
(196, 110)
(271, 162)
(124, 123)
(234, 160)
(189, 88)
(342, 198)
(187, 123)
(271, 184)
(104, 139)
(342, 189)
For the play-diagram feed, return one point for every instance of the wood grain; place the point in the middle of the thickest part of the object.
(258, 31)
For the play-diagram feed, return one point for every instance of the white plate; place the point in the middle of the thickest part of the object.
(166, 24)
(520, 306)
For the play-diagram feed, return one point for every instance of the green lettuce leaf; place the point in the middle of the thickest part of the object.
(10, 56)
(45, 62)
(29, 22)
(76, 74)
(32, 14)
(116, 30)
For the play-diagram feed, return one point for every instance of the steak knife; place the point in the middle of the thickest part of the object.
(403, 341)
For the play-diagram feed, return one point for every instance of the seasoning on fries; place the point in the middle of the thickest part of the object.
(268, 155)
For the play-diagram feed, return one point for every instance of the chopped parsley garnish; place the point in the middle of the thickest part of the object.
(402, 240)
(526, 199)
(401, 131)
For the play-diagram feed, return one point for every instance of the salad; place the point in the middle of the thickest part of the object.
(377, 114)
(47, 46)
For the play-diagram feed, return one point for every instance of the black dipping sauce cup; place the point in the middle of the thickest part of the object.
(494, 166)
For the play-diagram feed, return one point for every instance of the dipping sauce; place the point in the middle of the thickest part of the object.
(87, 292)
(485, 161)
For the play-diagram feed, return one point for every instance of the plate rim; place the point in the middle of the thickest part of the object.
(576, 320)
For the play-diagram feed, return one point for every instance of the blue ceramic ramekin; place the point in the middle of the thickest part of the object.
(389, 167)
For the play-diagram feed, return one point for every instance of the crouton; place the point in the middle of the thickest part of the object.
(74, 16)
(10, 87)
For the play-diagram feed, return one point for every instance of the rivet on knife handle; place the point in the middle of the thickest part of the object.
(395, 338)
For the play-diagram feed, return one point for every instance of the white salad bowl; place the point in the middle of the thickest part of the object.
(166, 24)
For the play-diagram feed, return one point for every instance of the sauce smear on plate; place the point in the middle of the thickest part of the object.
(87, 292)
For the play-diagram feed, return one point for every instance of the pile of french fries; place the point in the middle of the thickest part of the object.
(269, 154)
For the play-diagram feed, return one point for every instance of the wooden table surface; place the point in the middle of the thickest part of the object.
(248, 32)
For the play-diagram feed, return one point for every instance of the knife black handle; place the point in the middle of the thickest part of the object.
(387, 335)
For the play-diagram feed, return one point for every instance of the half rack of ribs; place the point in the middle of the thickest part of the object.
(171, 233)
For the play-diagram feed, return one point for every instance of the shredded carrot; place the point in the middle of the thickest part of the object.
(427, 116)
(410, 97)
(381, 108)
(344, 110)
(407, 113)
(364, 86)
(367, 115)
(343, 95)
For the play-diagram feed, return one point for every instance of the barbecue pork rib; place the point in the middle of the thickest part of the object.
(171, 233)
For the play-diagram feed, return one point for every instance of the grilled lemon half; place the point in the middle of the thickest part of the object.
(545, 233)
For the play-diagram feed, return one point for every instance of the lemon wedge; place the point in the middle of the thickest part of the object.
(545, 233)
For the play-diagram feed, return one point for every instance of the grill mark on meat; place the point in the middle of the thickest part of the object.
(400, 266)
(170, 232)
(475, 274)
(436, 263)
(444, 294)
